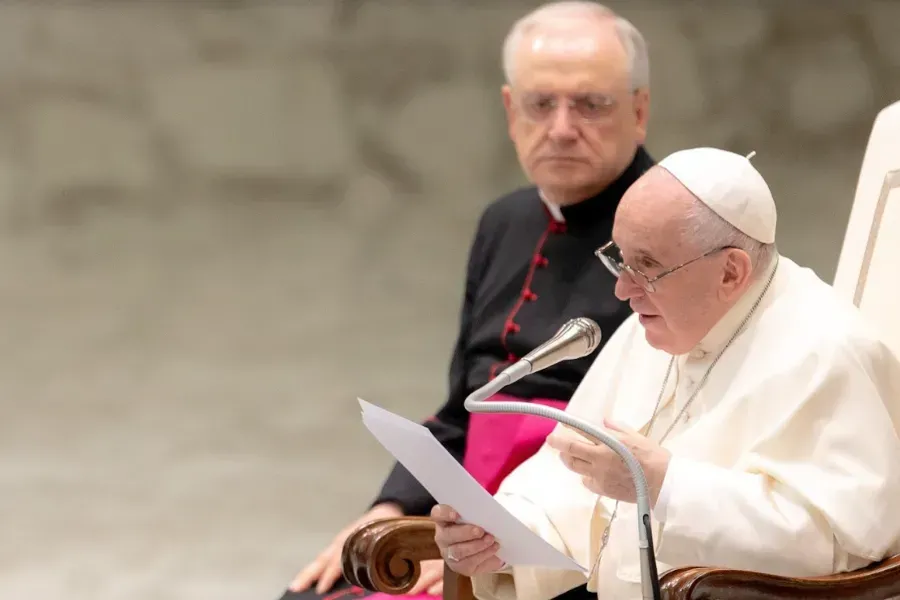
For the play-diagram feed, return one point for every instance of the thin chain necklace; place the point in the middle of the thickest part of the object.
(604, 540)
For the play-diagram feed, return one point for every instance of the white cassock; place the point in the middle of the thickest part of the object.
(787, 462)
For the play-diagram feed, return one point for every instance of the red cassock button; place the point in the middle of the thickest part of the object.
(512, 327)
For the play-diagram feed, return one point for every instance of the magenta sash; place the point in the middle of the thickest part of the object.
(498, 443)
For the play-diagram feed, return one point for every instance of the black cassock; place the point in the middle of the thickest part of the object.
(527, 275)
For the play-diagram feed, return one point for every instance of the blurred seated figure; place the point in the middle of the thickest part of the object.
(577, 102)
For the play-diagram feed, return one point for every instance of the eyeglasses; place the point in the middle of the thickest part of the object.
(539, 106)
(611, 257)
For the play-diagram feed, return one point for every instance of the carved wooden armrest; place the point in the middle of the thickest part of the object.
(384, 556)
(879, 581)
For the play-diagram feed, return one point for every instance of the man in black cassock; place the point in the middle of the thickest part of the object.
(577, 101)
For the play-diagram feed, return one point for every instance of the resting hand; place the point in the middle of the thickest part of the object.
(467, 549)
(326, 568)
(431, 579)
(603, 471)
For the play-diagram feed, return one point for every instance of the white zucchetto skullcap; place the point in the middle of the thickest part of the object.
(728, 184)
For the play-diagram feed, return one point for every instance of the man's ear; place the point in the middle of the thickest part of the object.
(641, 113)
(506, 92)
(736, 274)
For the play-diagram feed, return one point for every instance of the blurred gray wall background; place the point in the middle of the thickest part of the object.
(223, 221)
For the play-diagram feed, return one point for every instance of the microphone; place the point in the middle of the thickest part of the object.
(576, 339)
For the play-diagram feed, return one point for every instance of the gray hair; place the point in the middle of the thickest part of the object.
(632, 39)
(708, 230)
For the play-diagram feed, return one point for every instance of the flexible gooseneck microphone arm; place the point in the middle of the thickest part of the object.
(577, 338)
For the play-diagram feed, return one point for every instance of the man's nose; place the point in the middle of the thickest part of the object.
(626, 288)
(562, 127)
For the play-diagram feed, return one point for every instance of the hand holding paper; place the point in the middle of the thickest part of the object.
(415, 448)
(468, 549)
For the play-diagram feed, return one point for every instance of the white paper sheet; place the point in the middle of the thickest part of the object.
(416, 448)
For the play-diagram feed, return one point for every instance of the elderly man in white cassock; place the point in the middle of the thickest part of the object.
(763, 410)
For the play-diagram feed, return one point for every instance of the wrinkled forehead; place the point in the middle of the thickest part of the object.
(571, 56)
(653, 213)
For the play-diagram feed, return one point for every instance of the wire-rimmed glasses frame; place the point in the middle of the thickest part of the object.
(540, 107)
(617, 266)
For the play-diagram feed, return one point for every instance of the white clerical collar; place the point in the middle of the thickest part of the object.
(722, 331)
(554, 209)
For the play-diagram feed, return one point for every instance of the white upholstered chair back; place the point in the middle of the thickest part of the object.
(868, 270)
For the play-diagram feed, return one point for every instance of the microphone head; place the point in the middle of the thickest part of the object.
(575, 339)
(589, 331)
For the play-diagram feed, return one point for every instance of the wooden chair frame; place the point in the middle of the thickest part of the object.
(384, 556)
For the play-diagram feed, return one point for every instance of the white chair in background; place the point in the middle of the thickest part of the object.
(868, 269)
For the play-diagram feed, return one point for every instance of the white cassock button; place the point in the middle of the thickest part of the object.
(698, 353)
